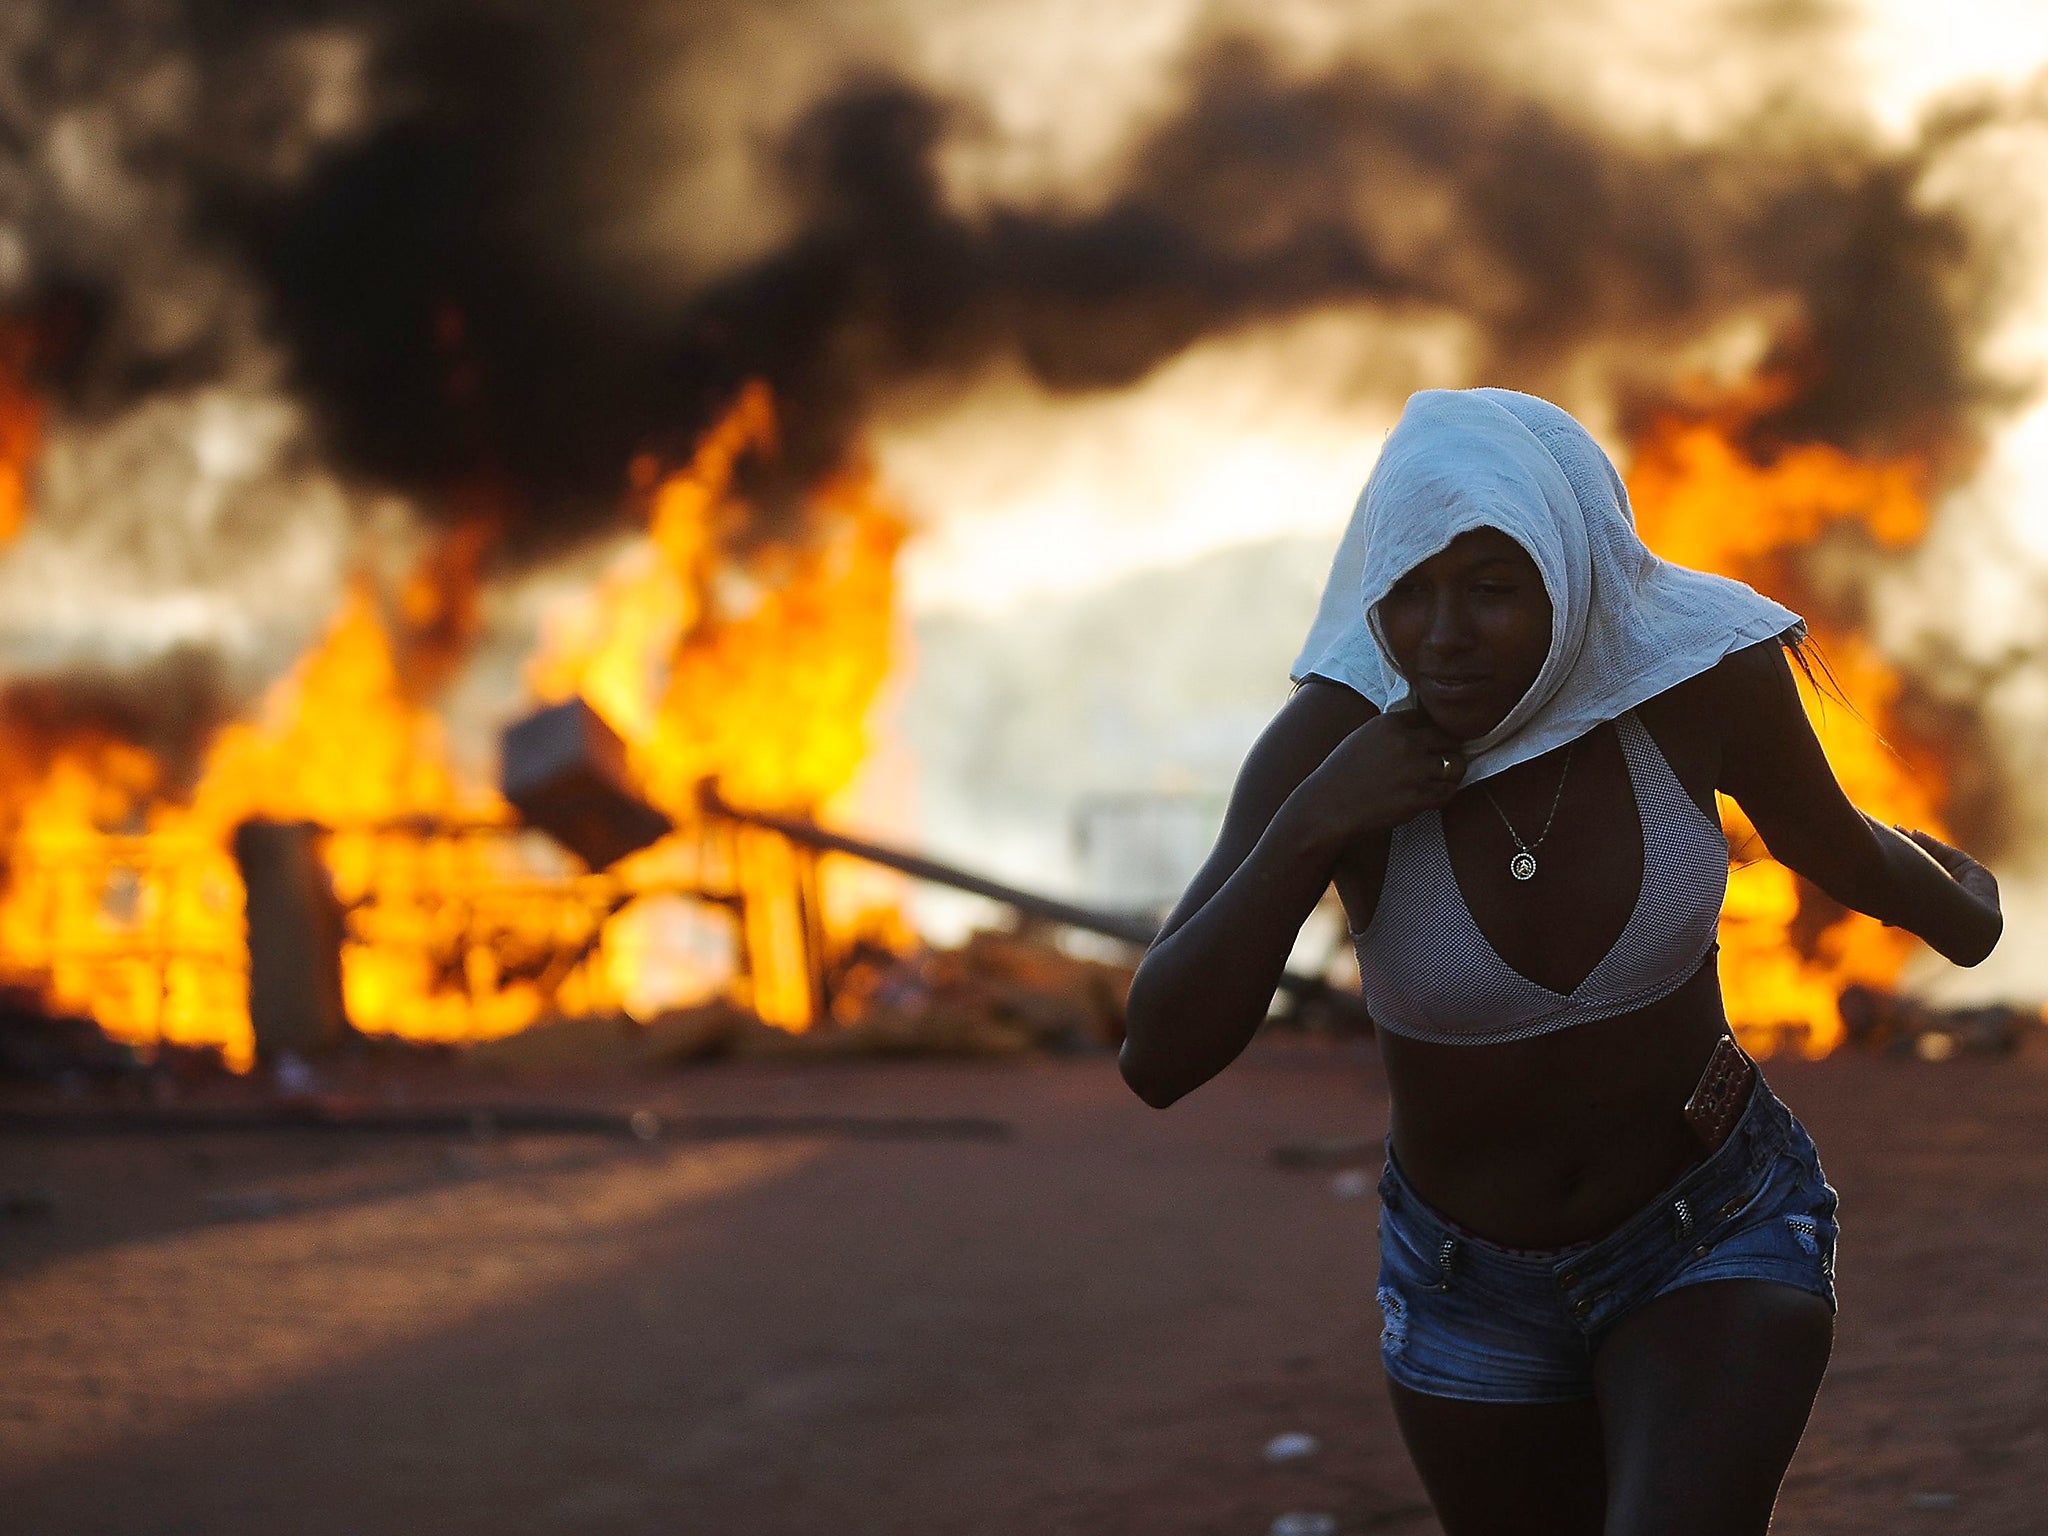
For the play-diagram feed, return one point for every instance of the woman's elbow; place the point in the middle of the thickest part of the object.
(1974, 946)
(1150, 1072)
(1148, 1078)
(1147, 1070)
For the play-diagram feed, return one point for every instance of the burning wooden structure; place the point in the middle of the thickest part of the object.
(563, 772)
(1792, 323)
(177, 917)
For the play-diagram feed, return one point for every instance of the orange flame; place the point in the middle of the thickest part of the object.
(758, 674)
(758, 671)
(128, 907)
(124, 903)
(1702, 501)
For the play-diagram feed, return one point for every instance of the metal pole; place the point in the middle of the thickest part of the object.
(1129, 927)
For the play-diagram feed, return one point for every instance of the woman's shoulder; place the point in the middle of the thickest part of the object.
(1695, 721)
(1739, 678)
(1316, 717)
(1320, 704)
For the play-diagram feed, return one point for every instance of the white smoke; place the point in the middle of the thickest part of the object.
(179, 503)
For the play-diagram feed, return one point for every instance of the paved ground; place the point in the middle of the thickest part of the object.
(1090, 1327)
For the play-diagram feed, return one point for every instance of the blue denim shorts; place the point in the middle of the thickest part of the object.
(1471, 1319)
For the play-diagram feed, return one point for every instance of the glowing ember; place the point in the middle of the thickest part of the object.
(1786, 953)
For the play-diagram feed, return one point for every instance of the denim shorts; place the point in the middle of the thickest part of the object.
(1467, 1318)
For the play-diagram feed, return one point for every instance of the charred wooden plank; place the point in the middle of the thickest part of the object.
(295, 934)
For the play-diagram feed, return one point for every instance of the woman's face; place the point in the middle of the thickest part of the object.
(1469, 629)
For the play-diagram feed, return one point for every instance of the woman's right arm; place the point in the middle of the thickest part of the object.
(1328, 770)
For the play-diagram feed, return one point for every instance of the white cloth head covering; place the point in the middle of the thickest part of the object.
(1624, 625)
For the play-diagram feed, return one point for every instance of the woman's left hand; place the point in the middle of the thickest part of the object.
(1964, 870)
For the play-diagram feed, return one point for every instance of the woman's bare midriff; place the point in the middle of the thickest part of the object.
(1555, 1140)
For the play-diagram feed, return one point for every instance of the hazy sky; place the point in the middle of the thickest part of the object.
(1033, 502)
(1080, 484)
(1259, 435)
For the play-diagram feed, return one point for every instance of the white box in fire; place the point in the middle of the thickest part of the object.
(564, 770)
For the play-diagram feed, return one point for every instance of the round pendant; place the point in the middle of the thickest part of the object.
(1523, 865)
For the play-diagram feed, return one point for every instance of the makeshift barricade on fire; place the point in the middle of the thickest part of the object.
(209, 911)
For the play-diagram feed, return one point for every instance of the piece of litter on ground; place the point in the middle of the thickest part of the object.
(245, 1204)
(294, 1075)
(1295, 1445)
(28, 1202)
(1351, 1184)
(1934, 1500)
(1304, 1522)
(1325, 1152)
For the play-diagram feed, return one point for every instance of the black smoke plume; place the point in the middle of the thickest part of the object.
(433, 319)
(385, 212)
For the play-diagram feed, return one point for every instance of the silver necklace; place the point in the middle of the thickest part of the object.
(1523, 865)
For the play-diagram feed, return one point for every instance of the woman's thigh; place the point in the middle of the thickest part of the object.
(1704, 1393)
(1506, 1469)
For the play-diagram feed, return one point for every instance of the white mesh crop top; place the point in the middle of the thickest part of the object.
(1429, 973)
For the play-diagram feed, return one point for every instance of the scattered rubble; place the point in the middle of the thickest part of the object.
(294, 1077)
(485, 1123)
(998, 995)
(66, 1051)
(1888, 1023)
(39, 1046)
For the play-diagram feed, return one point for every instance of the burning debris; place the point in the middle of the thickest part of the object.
(1787, 327)
(1901, 1026)
(37, 1046)
(999, 995)
(122, 902)
(565, 773)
